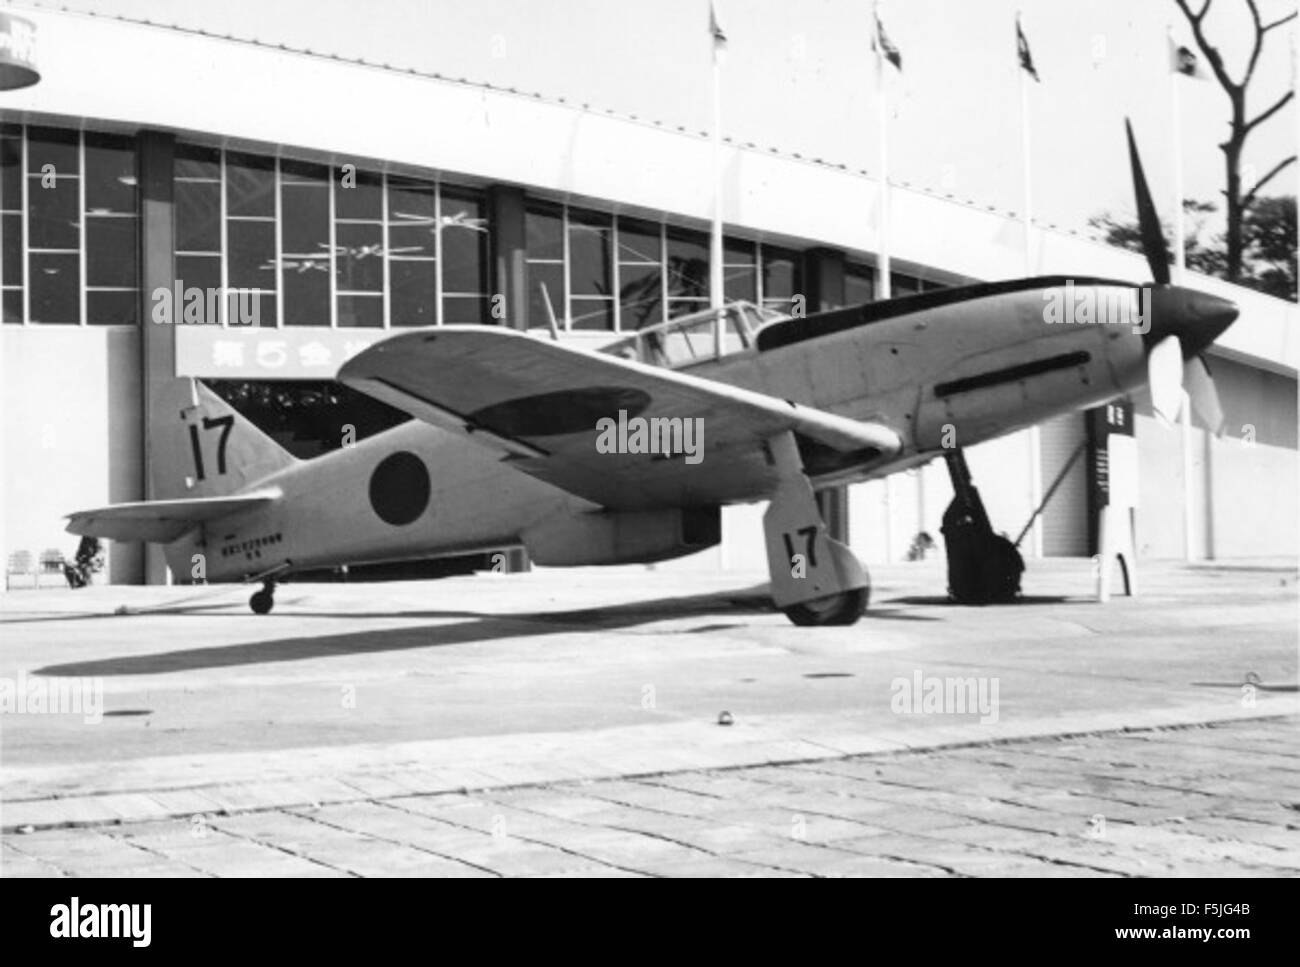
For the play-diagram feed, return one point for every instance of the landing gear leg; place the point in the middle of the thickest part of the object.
(983, 567)
(816, 580)
(263, 601)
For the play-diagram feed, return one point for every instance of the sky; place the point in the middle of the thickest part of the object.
(800, 76)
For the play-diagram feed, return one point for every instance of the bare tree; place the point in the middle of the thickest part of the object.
(1239, 201)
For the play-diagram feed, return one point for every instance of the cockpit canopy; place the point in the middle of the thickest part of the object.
(696, 338)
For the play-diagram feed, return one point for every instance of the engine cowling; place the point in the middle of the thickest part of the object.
(623, 537)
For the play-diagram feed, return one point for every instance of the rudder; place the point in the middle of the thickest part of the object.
(203, 447)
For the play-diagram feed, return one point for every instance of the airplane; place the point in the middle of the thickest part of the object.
(503, 448)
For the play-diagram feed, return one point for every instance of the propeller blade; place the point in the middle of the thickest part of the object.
(1153, 236)
(1165, 378)
(1203, 394)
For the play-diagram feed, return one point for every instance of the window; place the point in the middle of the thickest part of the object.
(859, 283)
(305, 247)
(782, 278)
(250, 235)
(359, 247)
(112, 227)
(640, 273)
(544, 252)
(196, 179)
(69, 224)
(11, 223)
(591, 269)
(463, 227)
(686, 266)
(739, 270)
(412, 252)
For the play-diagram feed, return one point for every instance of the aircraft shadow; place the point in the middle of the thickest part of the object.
(360, 642)
(944, 600)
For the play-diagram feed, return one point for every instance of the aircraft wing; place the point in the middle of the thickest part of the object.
(540, 404)
(160, 521)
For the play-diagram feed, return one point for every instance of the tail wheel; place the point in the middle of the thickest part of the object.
(261, 602)
(836, 609)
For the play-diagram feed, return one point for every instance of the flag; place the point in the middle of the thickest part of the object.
(1022, 47)
(1184, 61)
(715, 29)
(886, 45)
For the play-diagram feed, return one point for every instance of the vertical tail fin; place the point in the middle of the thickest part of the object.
(202, 447)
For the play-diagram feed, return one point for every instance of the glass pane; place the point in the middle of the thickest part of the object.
(358, 258)
(593, 314)
(306, 294)
(303, 171)
(52, 146)
(198, 271)
(110, 174)
(780, 274)
(265, 311)
(638, 241)
(589, 258)
(113, 308)
(688, 264)
(859, 284)
(11, 178)
(641, 314)
(464, 245)
(193, 161)
(361, 310)
(463, 310)
(56, 288)
(545, 233)
(13, 305)
(53, 217)
(306, 215)
(640, 294)
(684, 307)
(198, 217)
(112, 255)
(414, 293)
(902, 285)
(740, 283)
(736, 251)
(251, 255)
(363, 199)
(250, 185)
(552, 276)
(11, 265)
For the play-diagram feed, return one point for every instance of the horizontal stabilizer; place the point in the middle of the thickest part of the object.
(161, 521)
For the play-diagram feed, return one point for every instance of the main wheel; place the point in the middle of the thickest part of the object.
(261, 602)
(844, 608)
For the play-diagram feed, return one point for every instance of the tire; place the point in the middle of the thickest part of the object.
(261, 602)
(837, 609)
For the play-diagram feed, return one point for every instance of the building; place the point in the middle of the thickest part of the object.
(418, 200)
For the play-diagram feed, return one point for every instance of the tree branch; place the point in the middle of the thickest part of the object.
(1277, 23)
(1264, 116)
(1250, 196)
(1211, 52)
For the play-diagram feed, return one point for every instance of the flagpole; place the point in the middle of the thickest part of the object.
(884, 285)
(1035, 434)
(716, 276)
(1180, 238)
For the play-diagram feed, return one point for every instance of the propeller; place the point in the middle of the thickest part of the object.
(1183, 322)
